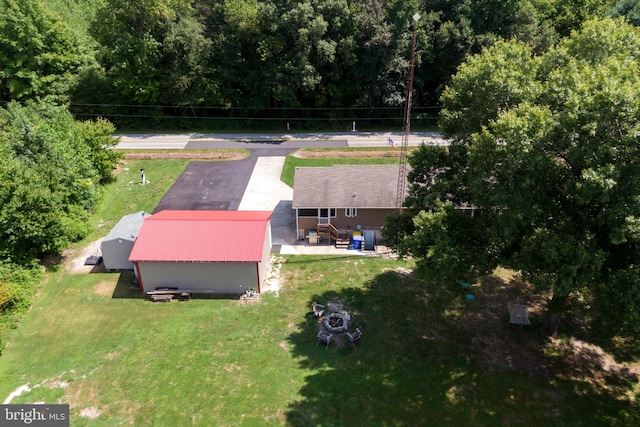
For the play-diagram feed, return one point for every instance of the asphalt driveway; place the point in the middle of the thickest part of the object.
(211, 185)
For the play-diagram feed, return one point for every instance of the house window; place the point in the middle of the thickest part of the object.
(351, 212)
(312, 213)
(317, 213)
(326, 213)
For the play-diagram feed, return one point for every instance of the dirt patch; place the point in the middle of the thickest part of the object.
(104, 288)
(185, 155)
(119, 168)
(501, 347)
(590, 361)
(77, 257)
(91, 412)
(273, 281)
(239, 155)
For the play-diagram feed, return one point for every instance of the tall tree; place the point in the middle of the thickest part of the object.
(552, 164)
(568, 15)
(313, 44)
(39, 54)
(462, 28)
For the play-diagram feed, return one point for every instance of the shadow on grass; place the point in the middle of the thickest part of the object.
(127, 288)
(429, 356)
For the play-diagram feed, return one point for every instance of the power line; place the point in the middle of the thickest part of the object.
(202, 107)
(147, 116)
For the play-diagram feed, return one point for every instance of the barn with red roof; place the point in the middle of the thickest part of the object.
(221, 252)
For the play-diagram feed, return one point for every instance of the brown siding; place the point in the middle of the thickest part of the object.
(368, 219)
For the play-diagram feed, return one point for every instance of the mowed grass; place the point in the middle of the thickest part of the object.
(127, 195)
(119, 359)
(428, 355)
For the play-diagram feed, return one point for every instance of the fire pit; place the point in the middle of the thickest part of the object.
(337, 322)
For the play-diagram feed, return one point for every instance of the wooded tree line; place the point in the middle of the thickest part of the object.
(51, 168)
(262, 58)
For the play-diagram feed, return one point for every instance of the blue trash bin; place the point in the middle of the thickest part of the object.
(356, 244)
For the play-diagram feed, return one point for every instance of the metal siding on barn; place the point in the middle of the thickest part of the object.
(266, 250)
(213, 277)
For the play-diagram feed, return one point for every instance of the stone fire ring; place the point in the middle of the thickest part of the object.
(337, 322)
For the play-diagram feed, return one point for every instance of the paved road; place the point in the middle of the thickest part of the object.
(222, 185)
(273, 141)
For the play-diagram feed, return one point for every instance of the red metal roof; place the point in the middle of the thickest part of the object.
(201, 236)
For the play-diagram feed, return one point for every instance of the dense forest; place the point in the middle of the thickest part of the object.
(229, 64)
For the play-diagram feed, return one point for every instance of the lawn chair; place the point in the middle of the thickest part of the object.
(324, 338)
(318, 309)
(354, 336)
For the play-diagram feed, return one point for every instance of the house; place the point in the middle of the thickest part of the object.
(116, 246)
(337, 201)
(220, 252)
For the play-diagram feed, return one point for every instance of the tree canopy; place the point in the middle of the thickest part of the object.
(266, 58)
(545, 155)
(39, 54)
(50, 170)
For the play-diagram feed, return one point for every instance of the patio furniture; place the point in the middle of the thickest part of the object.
(317, 309)
(323, 338)
(354, 336)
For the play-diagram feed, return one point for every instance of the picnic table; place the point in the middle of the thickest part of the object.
(167, 294)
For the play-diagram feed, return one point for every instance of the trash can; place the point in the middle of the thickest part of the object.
(357, 239)
(369, 240)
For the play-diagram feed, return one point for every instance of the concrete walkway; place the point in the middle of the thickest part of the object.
(265, 191)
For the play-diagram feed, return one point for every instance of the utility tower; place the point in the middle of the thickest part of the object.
(402, 173)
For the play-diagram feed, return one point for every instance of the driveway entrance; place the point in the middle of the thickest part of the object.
(211, 185)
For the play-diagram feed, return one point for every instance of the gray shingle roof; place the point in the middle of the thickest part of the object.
(127, 228)
(346, 186)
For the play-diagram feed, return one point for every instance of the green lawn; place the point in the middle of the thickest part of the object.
(107, 351)
(428, 355)
(127, 195)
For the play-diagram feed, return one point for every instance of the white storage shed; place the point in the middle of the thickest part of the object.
(117, 245)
